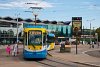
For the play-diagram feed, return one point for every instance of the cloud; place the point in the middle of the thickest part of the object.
(23, 4)
(90, 6)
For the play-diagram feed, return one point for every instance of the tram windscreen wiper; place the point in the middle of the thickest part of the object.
(33, 46)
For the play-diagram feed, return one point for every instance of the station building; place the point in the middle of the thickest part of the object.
(8, 30)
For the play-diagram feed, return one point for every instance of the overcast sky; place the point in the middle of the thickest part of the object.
(59, 10)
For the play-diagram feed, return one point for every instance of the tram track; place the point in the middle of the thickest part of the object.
(54, 62)
(50, 61)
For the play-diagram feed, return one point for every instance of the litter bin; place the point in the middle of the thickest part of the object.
(62, 48)
(67, 48)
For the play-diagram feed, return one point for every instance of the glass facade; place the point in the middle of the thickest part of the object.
(59, 30)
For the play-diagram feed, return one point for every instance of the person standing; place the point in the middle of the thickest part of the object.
(8, 50)
(15, 49)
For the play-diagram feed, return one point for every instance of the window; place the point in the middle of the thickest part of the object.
(50, 39)
(35, 37)
(25, 39)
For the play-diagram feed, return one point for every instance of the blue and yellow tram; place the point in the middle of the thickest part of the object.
(51, 41)
(35, 42)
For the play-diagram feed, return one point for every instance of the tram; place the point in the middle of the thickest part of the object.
(34, 42)
(51, 41)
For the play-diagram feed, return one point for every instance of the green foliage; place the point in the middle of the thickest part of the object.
(98, 31)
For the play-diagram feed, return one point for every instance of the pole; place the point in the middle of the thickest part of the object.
(76, 40)
(97, 40)
(17, 29)
(83, 35)
(35, 19)
(90, 35)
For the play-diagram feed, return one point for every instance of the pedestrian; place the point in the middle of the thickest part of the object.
(98, 44)
(8, 50)
(15, 49)
(62, 43)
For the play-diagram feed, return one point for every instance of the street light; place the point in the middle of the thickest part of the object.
(90, 30)
(96, 36)
(17, 27)
(83, 35)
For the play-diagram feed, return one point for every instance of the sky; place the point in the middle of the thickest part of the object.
(54, 10)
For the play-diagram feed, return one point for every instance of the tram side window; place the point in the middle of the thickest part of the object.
(44, 38)
(25, 39)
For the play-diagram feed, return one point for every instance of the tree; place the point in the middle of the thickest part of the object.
(98, 31)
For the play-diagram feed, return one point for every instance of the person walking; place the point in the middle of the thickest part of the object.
(8, 50)
(15, 49)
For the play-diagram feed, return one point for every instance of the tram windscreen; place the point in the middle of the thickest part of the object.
(35, 37)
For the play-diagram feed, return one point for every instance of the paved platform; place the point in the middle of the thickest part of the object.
(81, 57)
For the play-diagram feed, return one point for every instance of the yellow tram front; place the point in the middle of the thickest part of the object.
(35, 43)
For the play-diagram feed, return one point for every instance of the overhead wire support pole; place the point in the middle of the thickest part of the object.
(35, 19)
(90, 32)
(90, 35)
(17, 28)
(83, 36)
(35, 13)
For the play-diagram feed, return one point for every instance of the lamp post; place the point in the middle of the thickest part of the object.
(90, 31)
(83, 35)
(90, 35)
(17, 27)
(96, 36)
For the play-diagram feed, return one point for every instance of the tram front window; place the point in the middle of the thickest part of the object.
(35, 37)
(50, 39)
